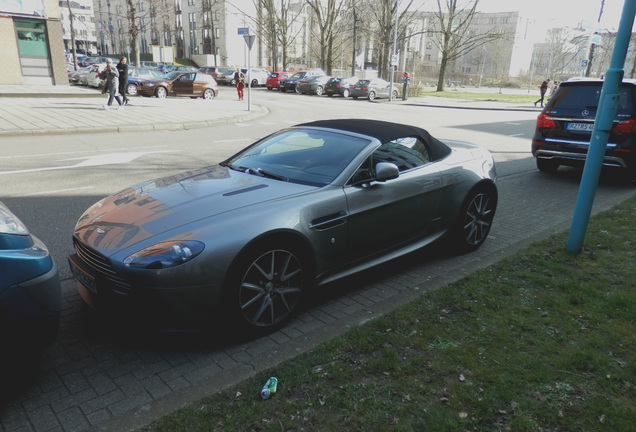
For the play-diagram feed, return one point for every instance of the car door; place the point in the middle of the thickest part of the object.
(385, 215)
(184, 85)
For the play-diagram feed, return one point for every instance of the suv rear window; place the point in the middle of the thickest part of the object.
(586, 96)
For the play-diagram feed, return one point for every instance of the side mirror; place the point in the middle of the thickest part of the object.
(386, 171)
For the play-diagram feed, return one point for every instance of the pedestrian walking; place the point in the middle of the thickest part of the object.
(553, 89)
(111, 75)
(122, 68)
(542, 89)
(239, 79)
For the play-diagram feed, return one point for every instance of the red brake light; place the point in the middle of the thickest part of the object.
(625, 126)
(543, 121)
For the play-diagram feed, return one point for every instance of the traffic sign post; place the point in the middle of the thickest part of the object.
(249, 40)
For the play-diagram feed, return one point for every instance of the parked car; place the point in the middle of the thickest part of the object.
(80, 77)
(192, 84)
(239, 243)
(93, 75)
(257, 77)
(211, 70)
(184, 69)
(340, 86)
(225, 76)
(150, 64)
(274, 78)
(291, 83)
(313, 85)
(30, 291)
(137, 75)
(564, 127)
(372, 89)
(70, 67)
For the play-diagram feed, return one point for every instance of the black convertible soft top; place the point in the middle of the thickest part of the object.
(385, 131)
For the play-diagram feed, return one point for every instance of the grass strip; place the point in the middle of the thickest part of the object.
(541, 341)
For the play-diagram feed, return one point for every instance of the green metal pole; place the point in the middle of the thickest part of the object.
(602, 127)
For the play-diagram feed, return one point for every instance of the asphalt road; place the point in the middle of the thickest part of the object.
(93, 378)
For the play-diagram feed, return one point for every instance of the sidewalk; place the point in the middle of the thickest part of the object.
(47, 110)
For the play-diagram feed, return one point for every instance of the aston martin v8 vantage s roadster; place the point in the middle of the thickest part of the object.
(244, 239)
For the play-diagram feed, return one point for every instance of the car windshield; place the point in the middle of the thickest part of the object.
(579, 97)
(172, 75)
(306, 156)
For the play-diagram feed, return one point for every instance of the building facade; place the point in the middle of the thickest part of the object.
(32, 48)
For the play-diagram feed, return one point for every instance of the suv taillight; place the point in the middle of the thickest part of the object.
(543, 121)
(625, 126)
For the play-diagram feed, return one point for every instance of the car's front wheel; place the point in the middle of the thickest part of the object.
(475, 218)
(254, 83)
(267, 285)
(547, 165)
(161, 92)
(131, 89)
(208, 94)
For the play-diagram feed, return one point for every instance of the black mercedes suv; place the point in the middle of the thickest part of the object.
(564, 127)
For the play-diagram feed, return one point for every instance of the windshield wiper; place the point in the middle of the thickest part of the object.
(263, 173)
(258, 171)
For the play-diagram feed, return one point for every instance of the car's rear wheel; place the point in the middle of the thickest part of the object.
(296, 89)
(395, 94)
(282, 89)
(161, 92)
(319, 90)
(131, 89)
(371, 95)
(475, 218)
(547, 165)
(346, 93)
(254, 83)
(266, 286)
(270, 88)
(208, 94)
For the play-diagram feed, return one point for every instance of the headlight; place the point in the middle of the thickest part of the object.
(165, 255)
(9, 223)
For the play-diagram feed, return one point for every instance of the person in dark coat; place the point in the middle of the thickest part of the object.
(542, 89)
(111, 76)
(122, 68)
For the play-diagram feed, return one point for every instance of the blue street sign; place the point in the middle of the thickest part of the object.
(243, 30)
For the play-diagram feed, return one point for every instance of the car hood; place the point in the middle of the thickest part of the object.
(158, 206)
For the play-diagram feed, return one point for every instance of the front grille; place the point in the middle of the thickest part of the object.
(102, 266)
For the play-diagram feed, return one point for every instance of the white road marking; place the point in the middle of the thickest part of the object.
(60, 191)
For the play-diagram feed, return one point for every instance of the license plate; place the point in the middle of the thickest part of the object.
(580, 126)
(82, 277)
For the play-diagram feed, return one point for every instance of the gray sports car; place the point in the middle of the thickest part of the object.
(245, 239)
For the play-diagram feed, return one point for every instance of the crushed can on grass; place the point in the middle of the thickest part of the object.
(269, 388)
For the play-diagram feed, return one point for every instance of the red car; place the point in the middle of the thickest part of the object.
(273, 78)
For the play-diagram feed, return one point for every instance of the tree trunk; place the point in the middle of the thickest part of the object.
(442, 72)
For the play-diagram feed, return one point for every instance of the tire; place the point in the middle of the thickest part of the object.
(355, 97)
(131, 89)
(371, 95)
(270, 88)
(319, 90)
(346, 93)
(266, 286)
(282, 89)
(395, 94)
(547, 165)
(254, 83)
(161, 92)
(296, 89)
(208, 94)
(475, 219)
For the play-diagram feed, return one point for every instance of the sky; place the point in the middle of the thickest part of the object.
(557, 13)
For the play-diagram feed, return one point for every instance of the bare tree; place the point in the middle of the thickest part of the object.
(133, 31)
(326, 13)
(276, 21)
(454, 36)
(590, 56)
